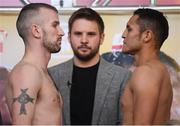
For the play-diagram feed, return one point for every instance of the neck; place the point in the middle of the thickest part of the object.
(146, 56)
(88, 63)
(37, 56)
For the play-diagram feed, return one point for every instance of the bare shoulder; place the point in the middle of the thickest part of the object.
(25, 74)
(150, 74)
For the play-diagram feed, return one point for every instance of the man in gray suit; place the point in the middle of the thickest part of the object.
(91, 87)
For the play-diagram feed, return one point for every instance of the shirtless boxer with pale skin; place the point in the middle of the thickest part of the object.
(31, 95)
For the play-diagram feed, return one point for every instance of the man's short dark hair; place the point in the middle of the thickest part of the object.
(26, 14)
(88, 14)
(155, 21)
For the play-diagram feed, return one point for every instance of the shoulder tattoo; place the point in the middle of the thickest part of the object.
(23, 99)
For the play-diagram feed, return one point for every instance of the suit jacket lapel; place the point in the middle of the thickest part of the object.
(103, 82)
(66, 77)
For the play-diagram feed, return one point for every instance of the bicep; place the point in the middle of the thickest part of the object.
(23, 105)
(24, 94)
(145, 106)
(145, 99)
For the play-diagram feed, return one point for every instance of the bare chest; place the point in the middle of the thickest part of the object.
(48, 92)
(127, 100)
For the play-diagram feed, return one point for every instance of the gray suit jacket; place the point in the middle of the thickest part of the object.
(110, 83)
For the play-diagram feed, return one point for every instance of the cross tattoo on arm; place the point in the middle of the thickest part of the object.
(23, 99)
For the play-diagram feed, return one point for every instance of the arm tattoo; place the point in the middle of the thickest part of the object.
(23, 99)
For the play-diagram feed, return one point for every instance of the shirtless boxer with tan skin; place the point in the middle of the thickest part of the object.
(31, 95)
(147, 97)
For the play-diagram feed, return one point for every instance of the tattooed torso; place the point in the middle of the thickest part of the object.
(36, 98)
